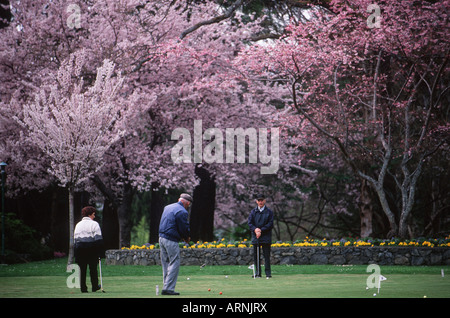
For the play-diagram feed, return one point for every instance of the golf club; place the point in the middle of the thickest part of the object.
(101, 279)
(258, 269)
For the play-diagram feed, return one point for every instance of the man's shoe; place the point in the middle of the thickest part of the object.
(94, 289)
(169, 292)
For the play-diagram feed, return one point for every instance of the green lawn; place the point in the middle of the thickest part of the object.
(48, 279)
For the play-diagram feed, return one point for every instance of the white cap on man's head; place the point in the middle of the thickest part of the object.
(186, 197)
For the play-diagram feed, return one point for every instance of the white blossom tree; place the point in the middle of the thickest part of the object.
(74, 123)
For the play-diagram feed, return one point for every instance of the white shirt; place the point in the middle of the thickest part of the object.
(87, 230)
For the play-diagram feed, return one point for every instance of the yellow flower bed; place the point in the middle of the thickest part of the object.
(309, 242)
(143, 247)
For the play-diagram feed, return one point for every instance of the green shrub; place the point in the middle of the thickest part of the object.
(22, 243)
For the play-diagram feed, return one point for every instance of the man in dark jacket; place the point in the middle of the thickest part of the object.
(260, 222)
(174, 226)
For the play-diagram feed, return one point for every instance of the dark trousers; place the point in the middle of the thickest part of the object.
(92, 272)
(266, 253)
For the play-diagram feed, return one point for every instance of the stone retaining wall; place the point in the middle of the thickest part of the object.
(292, 255)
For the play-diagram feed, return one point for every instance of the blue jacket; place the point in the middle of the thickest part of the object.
(174, 223)
(262, 220)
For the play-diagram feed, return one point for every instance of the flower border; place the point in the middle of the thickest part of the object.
(310, 242)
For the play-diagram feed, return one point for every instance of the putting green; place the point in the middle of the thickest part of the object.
(235, 286)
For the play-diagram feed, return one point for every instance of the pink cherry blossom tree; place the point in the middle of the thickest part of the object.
(179, 59)
(374, 93)
(172, 70)
(74, 123)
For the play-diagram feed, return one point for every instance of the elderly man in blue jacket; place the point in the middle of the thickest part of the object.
(174, 226)
(260, 223)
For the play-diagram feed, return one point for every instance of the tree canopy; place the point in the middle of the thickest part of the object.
(93, 91)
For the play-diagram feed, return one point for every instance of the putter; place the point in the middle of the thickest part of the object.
(258, 270)
(101, 279)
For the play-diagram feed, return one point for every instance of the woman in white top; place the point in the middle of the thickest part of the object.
(88, 246)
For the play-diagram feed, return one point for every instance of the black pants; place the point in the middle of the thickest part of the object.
(87, 257)
(266, 252)
(92, 272)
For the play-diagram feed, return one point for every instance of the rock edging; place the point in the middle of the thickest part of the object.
(415, 256)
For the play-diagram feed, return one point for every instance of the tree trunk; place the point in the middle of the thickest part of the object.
(71, 226)
(202, 211)
(110, 224)
(408, 189)
(123, 213)
(123, 206)
(366, 210)
(387, 211)
(156, 210)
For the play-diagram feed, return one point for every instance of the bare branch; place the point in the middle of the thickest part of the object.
(217, 19)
